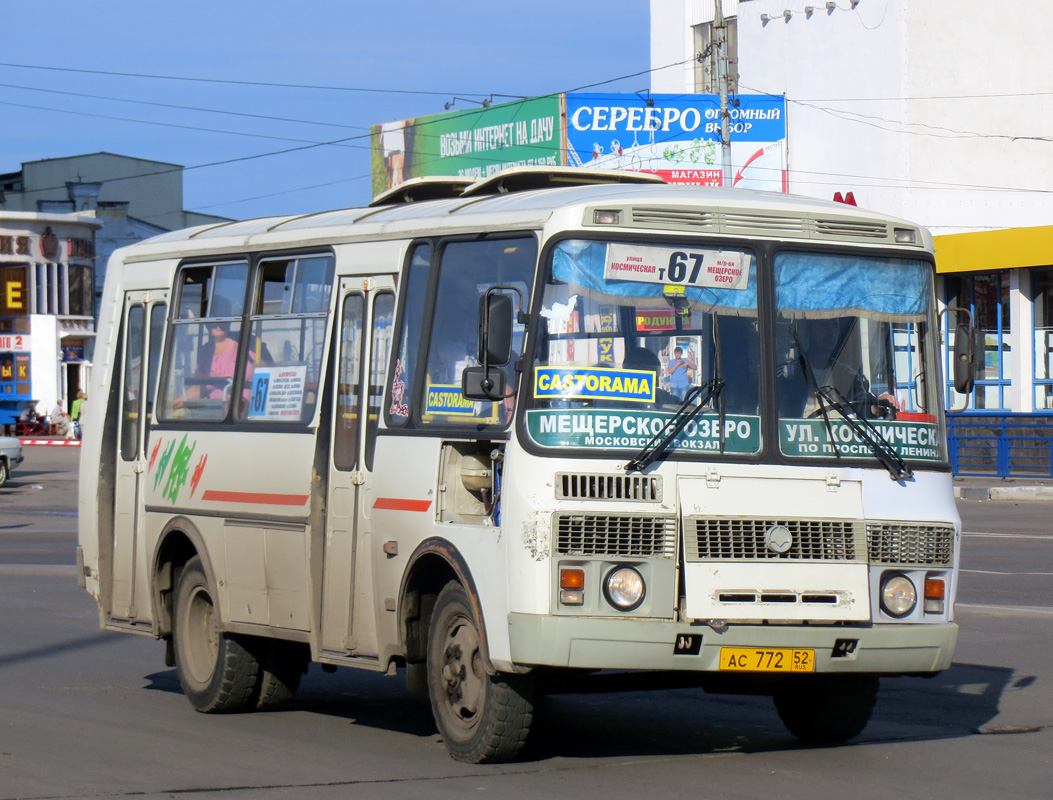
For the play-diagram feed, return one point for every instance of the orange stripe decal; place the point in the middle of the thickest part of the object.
(256, 498)
(396, 504)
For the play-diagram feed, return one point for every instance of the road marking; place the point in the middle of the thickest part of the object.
(1007, 611)
(996, 572)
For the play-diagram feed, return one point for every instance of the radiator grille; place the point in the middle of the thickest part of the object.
(615, 536)
(903, 543)
(578, 486)
(744, 540)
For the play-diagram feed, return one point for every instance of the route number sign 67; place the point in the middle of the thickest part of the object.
(714, 269)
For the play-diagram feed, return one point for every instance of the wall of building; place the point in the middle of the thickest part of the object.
(935, 111)
(921, 109)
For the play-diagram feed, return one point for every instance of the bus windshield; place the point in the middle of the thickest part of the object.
(628, 330)
(854, 346)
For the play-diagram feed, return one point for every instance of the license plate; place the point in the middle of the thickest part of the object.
(766, 659)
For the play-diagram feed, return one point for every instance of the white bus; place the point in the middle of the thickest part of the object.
(508, 434)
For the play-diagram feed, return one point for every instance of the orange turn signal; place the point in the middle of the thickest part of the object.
(934, 588)
(572, 579)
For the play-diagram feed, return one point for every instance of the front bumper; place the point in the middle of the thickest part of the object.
(883, 649)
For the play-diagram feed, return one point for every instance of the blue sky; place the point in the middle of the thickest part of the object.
(414, 56)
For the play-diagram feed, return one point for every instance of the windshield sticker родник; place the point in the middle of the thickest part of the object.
(668, 265)
(567, 383)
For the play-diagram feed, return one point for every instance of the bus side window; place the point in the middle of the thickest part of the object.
(383, 322)
(413, 290)
(349, 385)
(204, 341)
(287, 338)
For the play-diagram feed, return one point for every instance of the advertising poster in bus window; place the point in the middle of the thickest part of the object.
(476, 142)
(678, 137)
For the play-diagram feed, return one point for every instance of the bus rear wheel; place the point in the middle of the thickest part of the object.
(282, 665)
(482, 718)
(827, 709)
(217, 670)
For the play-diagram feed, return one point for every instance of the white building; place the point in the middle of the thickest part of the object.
(938, 111)
(46, 308)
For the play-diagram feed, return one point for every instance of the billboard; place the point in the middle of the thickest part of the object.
(476, 143)
(674, 136)
(678, 137)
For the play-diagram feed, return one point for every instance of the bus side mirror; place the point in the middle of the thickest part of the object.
(963, 358)
(483, 383)
(495, 329)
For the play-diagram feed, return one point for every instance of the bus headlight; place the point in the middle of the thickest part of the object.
(898, 596)
(624, 588)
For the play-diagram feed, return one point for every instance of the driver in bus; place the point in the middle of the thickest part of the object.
(820, 345)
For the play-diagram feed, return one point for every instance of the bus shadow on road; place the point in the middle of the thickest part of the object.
(963, 701)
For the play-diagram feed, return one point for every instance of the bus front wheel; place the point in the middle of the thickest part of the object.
(217, 671)
(482, 718)
(827, 709)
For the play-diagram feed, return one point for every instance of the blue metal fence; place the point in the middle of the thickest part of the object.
(1001, 445)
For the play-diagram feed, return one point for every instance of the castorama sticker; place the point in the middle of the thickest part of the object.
(678, 137)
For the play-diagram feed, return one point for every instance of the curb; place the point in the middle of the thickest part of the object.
(50, 442)
(1012, 493)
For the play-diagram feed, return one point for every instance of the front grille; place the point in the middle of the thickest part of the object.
(584, 486)
(724, 539)
(677, 218)
(851, 229)
(906, 544)
(615, 536)
(764, 224)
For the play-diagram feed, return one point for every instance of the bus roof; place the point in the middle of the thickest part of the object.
(640, 206)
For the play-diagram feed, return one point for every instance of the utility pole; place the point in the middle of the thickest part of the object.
(720, 41)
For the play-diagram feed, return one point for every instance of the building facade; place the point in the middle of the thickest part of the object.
(131, 198)
(60, 221)
(929, 111)
(47, 308)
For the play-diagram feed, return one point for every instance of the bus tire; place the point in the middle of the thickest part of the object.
(282, 664)
(482, 718)
(827, 709)
(218, 671)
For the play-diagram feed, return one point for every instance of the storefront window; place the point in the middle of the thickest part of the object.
(80, 291)
(1042, 296)
(986, 295)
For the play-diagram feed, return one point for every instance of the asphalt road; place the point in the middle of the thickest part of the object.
(90, 714)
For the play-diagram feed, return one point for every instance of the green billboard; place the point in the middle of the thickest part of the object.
(476, 143)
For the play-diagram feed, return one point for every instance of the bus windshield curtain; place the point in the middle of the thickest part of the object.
(582, 263)
(812, 286)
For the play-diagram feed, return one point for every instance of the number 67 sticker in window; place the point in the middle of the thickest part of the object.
(689, 266)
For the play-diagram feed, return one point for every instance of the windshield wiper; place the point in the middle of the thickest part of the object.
(659, 443)
(883, 451)
(828, 396)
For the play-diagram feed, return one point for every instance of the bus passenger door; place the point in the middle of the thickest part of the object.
(143, 326)
(367, 309)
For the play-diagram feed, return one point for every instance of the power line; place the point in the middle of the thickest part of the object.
(229, 82)
(182, 107)
(172, 124)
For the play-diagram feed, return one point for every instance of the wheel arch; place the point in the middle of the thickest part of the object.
(431, 566)
(179, 541)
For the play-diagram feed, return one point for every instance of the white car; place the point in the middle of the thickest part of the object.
(10, 456)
